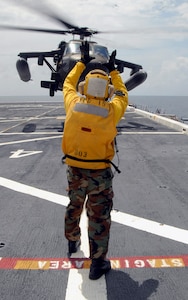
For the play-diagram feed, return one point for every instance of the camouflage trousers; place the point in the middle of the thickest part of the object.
(95, 188)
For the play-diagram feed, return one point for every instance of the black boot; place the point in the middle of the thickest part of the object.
(98, 268)
(73, 247)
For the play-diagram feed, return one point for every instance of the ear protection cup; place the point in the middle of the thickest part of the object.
(110, 90)
(81, 87)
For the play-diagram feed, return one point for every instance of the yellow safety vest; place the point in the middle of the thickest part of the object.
(89, 134)
(90, 125)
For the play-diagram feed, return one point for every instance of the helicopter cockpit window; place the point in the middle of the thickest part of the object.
(101, 51)
(73, 48)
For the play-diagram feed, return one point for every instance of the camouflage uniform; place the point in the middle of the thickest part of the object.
(97, 186)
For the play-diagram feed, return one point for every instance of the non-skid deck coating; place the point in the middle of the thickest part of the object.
(149, 234)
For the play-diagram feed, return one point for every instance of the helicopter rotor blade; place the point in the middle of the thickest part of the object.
(86, 32)
(60, 20)
(54, 31)
(148, 31)
(44, 9)
(82, 31)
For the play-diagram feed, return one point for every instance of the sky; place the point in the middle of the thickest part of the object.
(151, 33)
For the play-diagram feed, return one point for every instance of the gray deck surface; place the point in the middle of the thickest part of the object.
(153, 185)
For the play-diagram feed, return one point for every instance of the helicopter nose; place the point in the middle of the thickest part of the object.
(23, 69)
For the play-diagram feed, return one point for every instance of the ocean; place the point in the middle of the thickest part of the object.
(172, 105)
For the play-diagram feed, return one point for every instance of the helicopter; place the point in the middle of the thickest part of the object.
(68, 54)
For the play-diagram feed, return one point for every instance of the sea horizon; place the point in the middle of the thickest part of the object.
(172, 105)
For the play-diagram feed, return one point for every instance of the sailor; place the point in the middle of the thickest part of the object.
(88, 145)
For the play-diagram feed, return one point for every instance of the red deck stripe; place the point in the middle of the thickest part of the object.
(175, 261)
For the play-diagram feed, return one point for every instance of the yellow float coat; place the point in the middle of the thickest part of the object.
(90, 125)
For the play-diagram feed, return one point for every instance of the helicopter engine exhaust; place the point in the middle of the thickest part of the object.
(23, 69)
(136, 79)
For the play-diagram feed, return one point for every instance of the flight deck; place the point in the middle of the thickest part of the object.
(149, 233)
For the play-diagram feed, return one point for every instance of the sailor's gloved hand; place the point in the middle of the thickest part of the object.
(85, 57)
(111, 64)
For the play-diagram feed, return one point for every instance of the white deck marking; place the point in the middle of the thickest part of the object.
(29, 190)
(150, 133)
(19, 119)
(31, 140)
(29, 119)
(22, 153)
(163, 230)
(29, 133)
(80, 287)
(84, 288)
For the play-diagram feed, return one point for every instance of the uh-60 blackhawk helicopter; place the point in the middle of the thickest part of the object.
(68, 53)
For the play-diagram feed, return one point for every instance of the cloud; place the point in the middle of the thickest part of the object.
(176, 69)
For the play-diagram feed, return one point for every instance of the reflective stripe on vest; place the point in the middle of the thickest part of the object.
(91, 109)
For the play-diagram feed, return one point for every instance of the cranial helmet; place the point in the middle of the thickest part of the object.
(96, 85)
